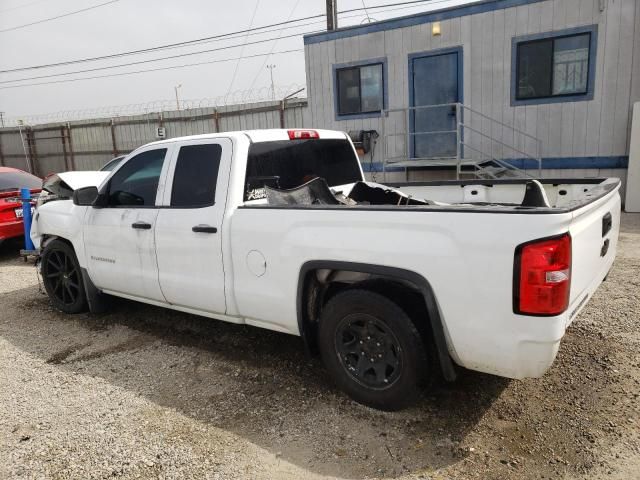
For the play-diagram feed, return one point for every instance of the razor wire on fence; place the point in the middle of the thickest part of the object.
(238, 97)
(87, 139)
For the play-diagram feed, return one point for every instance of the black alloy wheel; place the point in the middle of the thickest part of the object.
(368, 350)
(62, 277)
(372, 349)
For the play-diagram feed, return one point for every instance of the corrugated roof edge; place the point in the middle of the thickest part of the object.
(417, 19)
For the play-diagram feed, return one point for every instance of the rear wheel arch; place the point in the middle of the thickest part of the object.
(394, 283)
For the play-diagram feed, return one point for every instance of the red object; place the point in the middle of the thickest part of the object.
(543, 276)
(302, 134)
(11, 181)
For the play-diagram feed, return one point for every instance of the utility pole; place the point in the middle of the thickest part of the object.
(273, 88)
(332, 15)
(177, 98)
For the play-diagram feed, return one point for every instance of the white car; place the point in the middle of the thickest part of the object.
(279, 229)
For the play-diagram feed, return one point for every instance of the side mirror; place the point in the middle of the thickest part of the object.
(85, 196)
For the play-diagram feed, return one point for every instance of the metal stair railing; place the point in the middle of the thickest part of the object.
(469, 158)
(536, 157)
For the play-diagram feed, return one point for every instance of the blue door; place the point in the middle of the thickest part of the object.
(434, 80)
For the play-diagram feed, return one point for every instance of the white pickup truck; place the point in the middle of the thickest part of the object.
(279, 229)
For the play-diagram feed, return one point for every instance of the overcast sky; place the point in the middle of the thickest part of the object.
(126, 25)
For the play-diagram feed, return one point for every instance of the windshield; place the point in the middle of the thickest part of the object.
(16, 179)
(287, 164)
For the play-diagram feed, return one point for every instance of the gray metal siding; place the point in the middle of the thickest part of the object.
(12, 151)
(92, 141)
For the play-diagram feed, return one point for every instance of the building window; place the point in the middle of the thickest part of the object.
(360, 89)
(554, 68)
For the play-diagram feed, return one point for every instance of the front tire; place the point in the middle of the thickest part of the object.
(62, 278)
(372, 349)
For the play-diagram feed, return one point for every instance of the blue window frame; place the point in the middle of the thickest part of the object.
(360, 89)
(553, 67)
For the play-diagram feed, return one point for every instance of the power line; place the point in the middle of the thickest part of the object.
(365, 12)
(160, 47)
(260, 31)
(58, 16)
(180, 55)
(164, 68)
(273, 45)
(235, 36)
(385, 5)
(235, 70)
(214, 37)
(151, 60)
(173, 67)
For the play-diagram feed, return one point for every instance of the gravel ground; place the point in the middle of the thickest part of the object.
(143, 392)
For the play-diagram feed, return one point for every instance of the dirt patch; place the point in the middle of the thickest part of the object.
(59, 357)
(142, 392)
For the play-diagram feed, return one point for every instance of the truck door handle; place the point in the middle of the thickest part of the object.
(204, 229)
(141, 225)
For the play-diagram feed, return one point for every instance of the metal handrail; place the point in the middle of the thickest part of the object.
(452, 157)
(501, 143)
(463, 107)
(419, 133)
(499, 122)
(460, 108)
(488, 157)
(389, 110)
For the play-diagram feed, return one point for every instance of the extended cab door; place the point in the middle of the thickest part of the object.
(119, 237)
(189, 227)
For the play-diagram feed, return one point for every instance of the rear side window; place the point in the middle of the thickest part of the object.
(195, 177)
(290, 163)
(136, 183)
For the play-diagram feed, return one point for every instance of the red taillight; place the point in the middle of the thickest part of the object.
(302, 134)
(543, 276)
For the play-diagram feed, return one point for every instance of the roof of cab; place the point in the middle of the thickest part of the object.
(262, 135)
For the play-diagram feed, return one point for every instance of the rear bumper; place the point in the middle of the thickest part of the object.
(526, 350)
(528, 353)
(11, 230)
(537, 346)
(534, 358)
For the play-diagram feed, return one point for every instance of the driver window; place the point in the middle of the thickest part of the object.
(136, 183)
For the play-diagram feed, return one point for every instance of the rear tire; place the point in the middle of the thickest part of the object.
(372, 349)
(62, 278)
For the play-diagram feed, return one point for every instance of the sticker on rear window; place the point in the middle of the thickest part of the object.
(257, 194)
